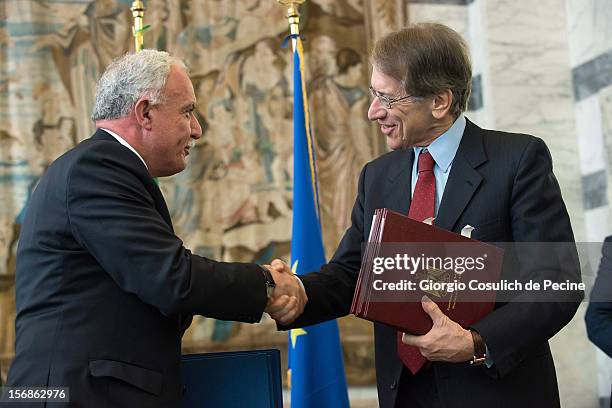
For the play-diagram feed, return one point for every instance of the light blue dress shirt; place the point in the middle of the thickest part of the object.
(443, 150)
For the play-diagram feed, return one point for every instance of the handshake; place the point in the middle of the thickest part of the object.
(289, 298)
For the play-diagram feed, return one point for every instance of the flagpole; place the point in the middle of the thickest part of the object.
(138, 10)
(312, 385)
(293, 16)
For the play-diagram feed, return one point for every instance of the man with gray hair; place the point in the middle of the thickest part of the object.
(104, 288)
(444, 166)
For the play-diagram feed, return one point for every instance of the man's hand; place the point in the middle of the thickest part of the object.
(289, 296)
(446, 341)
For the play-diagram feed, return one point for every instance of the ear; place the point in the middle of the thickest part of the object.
(442, 102)
(142, 111)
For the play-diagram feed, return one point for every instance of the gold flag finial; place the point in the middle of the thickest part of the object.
(138, 10)
(293, 16)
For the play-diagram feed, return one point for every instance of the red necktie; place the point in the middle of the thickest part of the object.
(422, 207)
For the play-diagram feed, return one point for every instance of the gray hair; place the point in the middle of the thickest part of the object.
(129, 78)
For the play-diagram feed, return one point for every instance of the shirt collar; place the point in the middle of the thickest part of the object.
(126, 144)
(444, 148)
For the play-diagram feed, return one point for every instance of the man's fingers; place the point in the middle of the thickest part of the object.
(289, 312)
(287, 319)
(277, 262)
(431, 308)
(411, 339)
(292, 297)
(281, 307)
(275, 307)
(279, 265)
(277, 304)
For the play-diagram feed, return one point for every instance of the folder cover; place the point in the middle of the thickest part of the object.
(232, 379)
(402, 310)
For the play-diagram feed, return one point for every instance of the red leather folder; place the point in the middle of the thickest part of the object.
(394, 234)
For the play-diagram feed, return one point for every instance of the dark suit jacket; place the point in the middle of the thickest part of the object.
(599, 314)
(104, 287)
(504, 186)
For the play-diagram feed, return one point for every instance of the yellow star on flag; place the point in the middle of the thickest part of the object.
(294, 267)
(294, 333)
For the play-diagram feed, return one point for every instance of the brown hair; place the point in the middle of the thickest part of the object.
(427, 58)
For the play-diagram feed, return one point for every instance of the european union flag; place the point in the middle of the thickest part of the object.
(316, 369)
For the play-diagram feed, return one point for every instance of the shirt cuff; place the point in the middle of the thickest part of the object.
(489, 360)
(301, 283)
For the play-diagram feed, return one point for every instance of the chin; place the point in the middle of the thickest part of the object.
(181, 167)
(395, 144)
(170, 172)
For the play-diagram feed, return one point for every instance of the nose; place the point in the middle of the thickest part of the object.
(376, 110)
(196, 128)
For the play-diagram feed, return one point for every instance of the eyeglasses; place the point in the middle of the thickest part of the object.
(386, 101)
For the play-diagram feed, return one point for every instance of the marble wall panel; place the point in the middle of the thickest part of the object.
(477, 38)
(438, 2)
(589, 28)
(605, 106)
(453, 15)
(530, 84)
(593, 75)
(589, 135)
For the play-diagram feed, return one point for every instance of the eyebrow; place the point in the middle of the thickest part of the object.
(381, 93)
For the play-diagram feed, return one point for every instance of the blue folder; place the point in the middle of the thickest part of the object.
(233, 379)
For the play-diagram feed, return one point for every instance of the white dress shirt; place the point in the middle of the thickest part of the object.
(126, 144)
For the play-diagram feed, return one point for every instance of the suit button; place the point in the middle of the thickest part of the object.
(393, 385)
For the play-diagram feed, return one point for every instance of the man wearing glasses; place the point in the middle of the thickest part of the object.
(444, 166)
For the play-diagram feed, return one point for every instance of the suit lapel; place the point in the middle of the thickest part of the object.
(160, 204)
(399, 183)
(464, 179)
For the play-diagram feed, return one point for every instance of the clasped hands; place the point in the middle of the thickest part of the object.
(289, 298)
(446, 341)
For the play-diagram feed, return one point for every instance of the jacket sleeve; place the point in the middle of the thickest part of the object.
(538, 217)
(330, 291)
(114, 218)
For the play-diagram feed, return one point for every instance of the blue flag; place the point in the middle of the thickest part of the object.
(316, 368)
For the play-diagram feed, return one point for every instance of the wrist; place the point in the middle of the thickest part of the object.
(270, 284)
